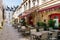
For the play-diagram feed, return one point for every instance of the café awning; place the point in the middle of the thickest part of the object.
(27, 12)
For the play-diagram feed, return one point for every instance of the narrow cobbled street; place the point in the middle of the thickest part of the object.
(9, 33)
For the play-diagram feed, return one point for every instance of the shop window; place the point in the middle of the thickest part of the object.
(26, 4)
(44, 20)
(56, 17)
(50, 17)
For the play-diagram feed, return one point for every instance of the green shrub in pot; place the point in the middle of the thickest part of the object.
(59, 26)
(51, 23)
(41, 24)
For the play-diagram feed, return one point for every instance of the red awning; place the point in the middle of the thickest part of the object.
(27, 12)
(50, 7)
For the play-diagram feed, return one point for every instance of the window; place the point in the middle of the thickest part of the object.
(44, 20)
(33, 2)
(37, 2)
(29, 3)
(26, 5)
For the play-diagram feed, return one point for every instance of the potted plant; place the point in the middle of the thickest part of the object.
(59, 26)
(51, 23)
(45, 26)
(40, 24)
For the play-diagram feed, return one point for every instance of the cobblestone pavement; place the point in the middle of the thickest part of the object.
(9, 33)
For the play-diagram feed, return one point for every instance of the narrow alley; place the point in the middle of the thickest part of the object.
(29, 19)
(9, 33)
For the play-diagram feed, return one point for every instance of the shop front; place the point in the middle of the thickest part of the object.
(55, 16)
(30, 20)
(29, 16)
(50, 12)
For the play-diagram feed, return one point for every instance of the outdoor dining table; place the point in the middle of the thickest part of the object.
(39, 34)
(56, 30)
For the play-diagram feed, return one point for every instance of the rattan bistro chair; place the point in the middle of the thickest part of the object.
(25, 30)
(32, 37)
(54, 36)
(41, 29)
(33, 30)
(44, 36)
(59, 35)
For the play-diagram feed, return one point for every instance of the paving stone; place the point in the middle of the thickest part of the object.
(9, 33)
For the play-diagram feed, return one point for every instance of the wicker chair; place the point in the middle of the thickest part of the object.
(41, 29)
(54, 36)
(44, 36)
(32, 37)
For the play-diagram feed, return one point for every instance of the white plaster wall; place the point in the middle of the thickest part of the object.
(40, 2)
(27, 5)
(21, 10)
(1, 16)
(51, 4)
(31, 4)
(36, 2)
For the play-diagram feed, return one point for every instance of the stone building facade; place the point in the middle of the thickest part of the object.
(39, 10)
(1, 13)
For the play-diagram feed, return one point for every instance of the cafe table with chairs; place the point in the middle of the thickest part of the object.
(44, 35)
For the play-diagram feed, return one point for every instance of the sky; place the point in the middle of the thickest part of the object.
(12, 2)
